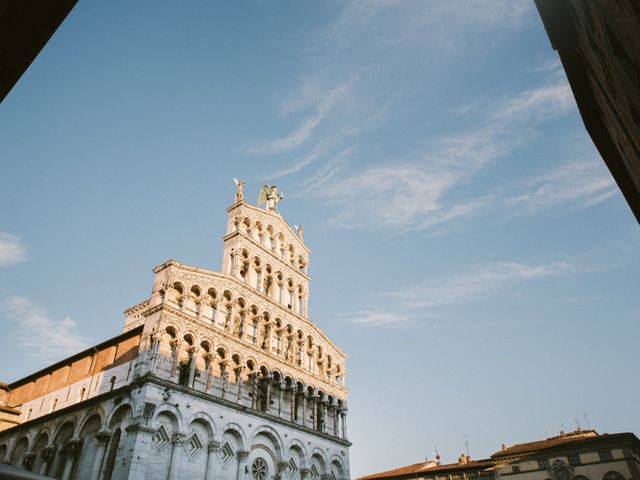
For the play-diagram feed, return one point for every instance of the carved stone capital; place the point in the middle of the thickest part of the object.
(103, 436)
(213, 446)
(305, 472)
(178, 438)
(28, 460)
(72, 447)
(242, 455)
(282, 466)
(49, 453)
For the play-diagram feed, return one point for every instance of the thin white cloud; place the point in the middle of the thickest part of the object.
(579, 183)
(376, 318)
(296, 167)
(12, 250)
(538, 103)
(478, 283)
(326, 172)
(325, 102)
(32, 327)
(418, 195)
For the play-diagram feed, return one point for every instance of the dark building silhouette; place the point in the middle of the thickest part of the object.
(25, 28)
(599, 45)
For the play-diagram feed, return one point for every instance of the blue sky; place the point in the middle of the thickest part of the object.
(470, 251)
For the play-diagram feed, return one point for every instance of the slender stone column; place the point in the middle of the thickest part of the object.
(304, 410)
(224, 378)
(280, 386)
(253, 378)
(208, 365)
(268, 380)
(175, 354)
(193, 366)
(154, 352)
(335, 421)
(293, 392)
(314, 412)
(48, 454)
(212, 465)
(343, 414)
(103, 438)
(242, 458)
(71, 451)
(238, 371)
(174, 467)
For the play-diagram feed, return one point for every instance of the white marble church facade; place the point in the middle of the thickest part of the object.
(218, 375)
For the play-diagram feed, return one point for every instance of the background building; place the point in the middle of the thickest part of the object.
(579, 455)
(216, 375)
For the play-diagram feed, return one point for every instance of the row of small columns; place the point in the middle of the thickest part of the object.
(273, 242)
(262, 284)
(291, 339)
(319, 406)
(228, 316)
(69, 452)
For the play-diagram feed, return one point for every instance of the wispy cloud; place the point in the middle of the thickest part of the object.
(579, 183)
(299, 165)
(323, 104)
(478, 283)
(325, 173)
(376, 318)
(418, 195)
(362, 68)
(547, 100)
(43, 336)
(12, 250)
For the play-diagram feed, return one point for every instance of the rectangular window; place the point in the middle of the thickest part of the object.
(543, 464)
(574, 460)
(515, 469)
(605, 456)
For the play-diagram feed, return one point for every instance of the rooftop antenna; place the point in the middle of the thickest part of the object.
(466, 444)
(585, 414)
(435, 450)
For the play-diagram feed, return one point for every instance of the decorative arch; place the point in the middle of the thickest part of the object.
(236, 431)
(120, 414)
(319, 458)
(97, 411)
(168, 410)
(272, 435)
(20, 448)
(204, 418)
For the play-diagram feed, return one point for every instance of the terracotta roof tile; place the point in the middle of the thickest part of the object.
(573, 437)
(429, 467)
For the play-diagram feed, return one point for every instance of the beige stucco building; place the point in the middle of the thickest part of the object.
(215, 375)
(579, 455)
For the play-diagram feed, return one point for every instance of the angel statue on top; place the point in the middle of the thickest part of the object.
(270, 197)
(239, 190)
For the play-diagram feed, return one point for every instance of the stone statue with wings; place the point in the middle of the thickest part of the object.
(269, 196)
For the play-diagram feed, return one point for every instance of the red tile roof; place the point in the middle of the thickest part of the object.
(537, 445)
(430, 468)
